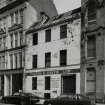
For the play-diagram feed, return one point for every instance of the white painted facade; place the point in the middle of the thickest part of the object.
(56, 72)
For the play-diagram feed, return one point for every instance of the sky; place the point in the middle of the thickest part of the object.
(66, 5)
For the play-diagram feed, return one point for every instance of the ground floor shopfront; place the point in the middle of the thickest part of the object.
(10, 83)
(52, 83)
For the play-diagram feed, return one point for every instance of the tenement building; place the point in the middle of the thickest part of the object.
(53, 55)
(93, 49)
(16, 16)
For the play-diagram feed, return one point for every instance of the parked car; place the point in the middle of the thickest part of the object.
(21, 98)
(76, 99)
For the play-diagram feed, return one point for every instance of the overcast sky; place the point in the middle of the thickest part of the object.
(66, 5)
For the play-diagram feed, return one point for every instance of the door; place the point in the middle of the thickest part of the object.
(69, 84)
(16, 82)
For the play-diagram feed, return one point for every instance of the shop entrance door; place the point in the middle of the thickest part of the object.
(16, 82)
(69, 84)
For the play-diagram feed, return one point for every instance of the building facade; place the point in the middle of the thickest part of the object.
(16, 16)
(53, 55)
(93, 49)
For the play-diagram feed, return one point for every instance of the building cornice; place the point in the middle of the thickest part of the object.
(11, 5)
(15, 27)
(75, 14)
(11, 71)
(13, 49)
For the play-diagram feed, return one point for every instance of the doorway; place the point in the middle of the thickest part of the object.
(69, 84)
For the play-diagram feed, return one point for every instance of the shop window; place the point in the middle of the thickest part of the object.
(47, 59)
(47, 83)
(35, 38)
(34, 83)
(91, 46)
(48, 35)
(47, 95)
(91, 80)
(34, 61)
(63, 57)
(63, 31)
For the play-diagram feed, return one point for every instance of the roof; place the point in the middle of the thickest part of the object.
(40, 5)
(71, 15)
(11, 5)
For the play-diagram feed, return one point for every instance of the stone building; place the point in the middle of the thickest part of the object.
(93, 49)
(53, 55)
(16, 16)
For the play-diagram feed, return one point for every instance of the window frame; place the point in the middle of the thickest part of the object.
(63, 55)
(88, 80)
(63, 31)
(34, 83)
(48, 59)
(94, 49)
(91, 15)
(16, 39)
(35, 39)
(48, 35)
(11, 61)
(47, 83)
(34, 61)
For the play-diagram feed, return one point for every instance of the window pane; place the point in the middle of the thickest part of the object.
(12, 19)
(47, 59)
(63, 57)
(63, 31)
(48, 35)
(20, 57)
(35, 38)
(47, 83)
(11, 40)
(91, 80)
(21, 37)
(16, 39)
(91, 86)
(34, 83)
(21, 16)
(91, 46)
(16, 17)
(91, 10)
(15, 61)
(34, 61)
(11, 61)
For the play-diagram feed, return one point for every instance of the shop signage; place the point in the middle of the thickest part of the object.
(54, 72)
